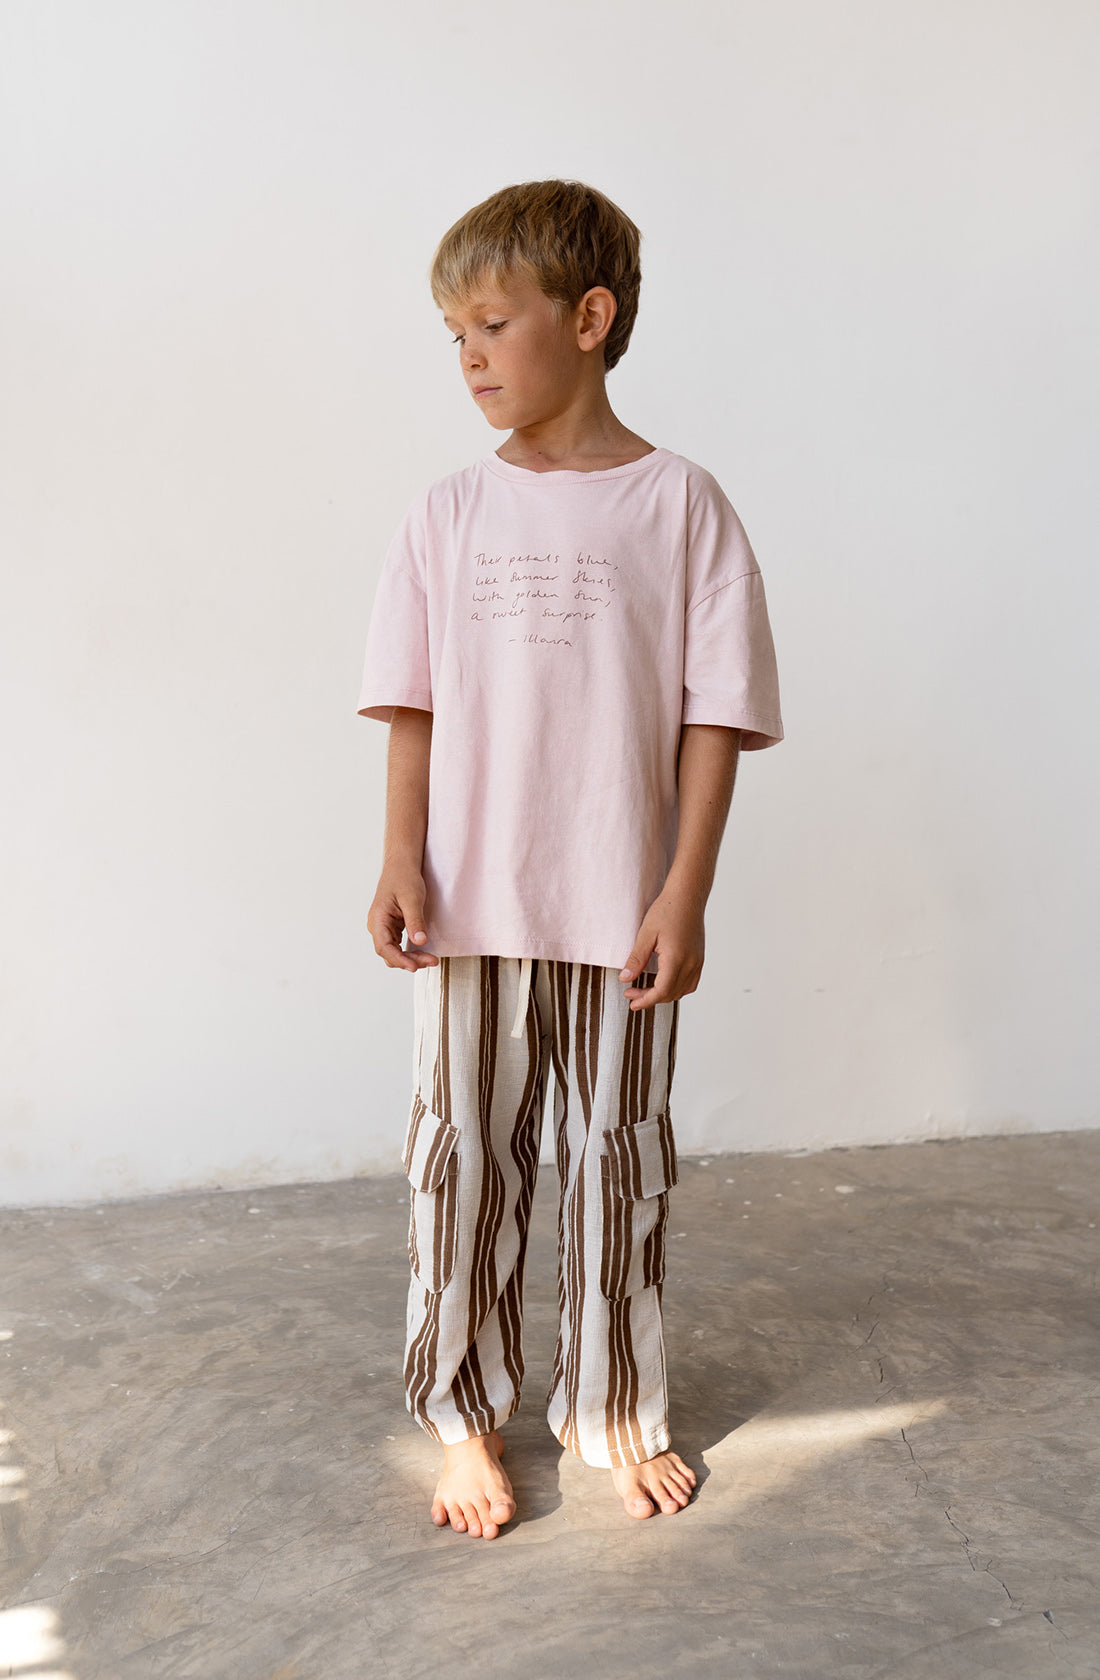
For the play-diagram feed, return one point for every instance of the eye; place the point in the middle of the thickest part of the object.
(490, 326)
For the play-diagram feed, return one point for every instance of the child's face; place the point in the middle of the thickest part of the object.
(523, 364)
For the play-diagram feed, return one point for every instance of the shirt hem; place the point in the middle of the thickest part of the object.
(757, 730)
(597, 954)
(417, 699)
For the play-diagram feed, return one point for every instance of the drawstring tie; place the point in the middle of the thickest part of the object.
(524, 996)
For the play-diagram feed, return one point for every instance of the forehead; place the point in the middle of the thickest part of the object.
(493, 298)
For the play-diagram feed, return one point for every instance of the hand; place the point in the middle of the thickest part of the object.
(399, 905)
(673, 930)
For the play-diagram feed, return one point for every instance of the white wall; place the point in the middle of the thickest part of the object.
(869, 307)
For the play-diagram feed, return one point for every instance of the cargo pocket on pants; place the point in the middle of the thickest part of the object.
(639, 1169)
(431, 1163)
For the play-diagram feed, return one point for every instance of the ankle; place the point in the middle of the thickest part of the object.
(474, 1446)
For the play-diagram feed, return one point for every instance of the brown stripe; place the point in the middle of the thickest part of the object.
(645, 1072)
(616, 1237)
(525, 1157)
(626, 1078)
(414, 1250)
(510, 1323)
(441, 1084)
(441, 1144)
(420, 1363)
(470, 1384)
(578, 998)
(616, 1365)
(445, 1225)
(572, 1264)
(620, 1411)
(558, 1038)
(483, 1282)
(463, 1392)
(653, 1255)
(633, 1155)
(614, 1369)
(419, 1109)
(588, 1003)
(668, 1148)
(483, 1288)
(637, 1063)
(631, 1382)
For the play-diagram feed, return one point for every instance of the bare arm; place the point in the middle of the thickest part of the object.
(673, 924)
(399, 899)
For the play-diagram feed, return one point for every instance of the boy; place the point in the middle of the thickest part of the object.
(570, 643)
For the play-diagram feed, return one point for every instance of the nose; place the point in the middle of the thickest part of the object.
(471, 356)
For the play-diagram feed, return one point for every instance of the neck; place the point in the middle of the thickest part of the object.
(585, 435)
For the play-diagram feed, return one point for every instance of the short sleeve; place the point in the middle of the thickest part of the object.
(730, 673)
(397, 670)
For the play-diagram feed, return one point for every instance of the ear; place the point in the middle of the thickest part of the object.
(594, 315)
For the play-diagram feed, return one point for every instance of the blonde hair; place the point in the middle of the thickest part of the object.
(563, 235)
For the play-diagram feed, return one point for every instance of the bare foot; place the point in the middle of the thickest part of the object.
(663, 1484)
(474, 1495)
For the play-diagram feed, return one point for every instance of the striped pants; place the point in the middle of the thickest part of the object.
(471, 1155)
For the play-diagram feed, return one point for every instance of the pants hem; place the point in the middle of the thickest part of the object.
(603, 1457)
(459, 1429)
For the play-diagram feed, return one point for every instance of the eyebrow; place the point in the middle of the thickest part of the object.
(479, 306)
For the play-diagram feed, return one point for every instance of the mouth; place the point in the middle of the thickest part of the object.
(485, 390)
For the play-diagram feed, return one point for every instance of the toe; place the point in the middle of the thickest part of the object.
(480, 1516)
(439, 1513)
(639, 1506)
(456, 1519)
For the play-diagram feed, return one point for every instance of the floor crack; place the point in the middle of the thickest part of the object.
(916, 1464)
(1059, 1631)
(979, 1569)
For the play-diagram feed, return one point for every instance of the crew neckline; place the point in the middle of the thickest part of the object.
(570, 475)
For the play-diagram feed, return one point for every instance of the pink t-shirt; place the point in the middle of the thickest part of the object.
(561, 626)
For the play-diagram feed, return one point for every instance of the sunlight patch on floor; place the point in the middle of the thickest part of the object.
(28, 1637)
(767, 1453)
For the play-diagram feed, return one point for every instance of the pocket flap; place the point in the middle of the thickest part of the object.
(428, 1147)
(642, 1158)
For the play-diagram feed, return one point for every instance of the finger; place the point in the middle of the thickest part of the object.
(635, 964)
(386, 928)
(663, 990)
(676, 977)
(394, 957)
(414, 961)
(411, 911)
(388, 945)
(646, 979)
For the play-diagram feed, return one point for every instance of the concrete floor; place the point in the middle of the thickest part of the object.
(884, 1371)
